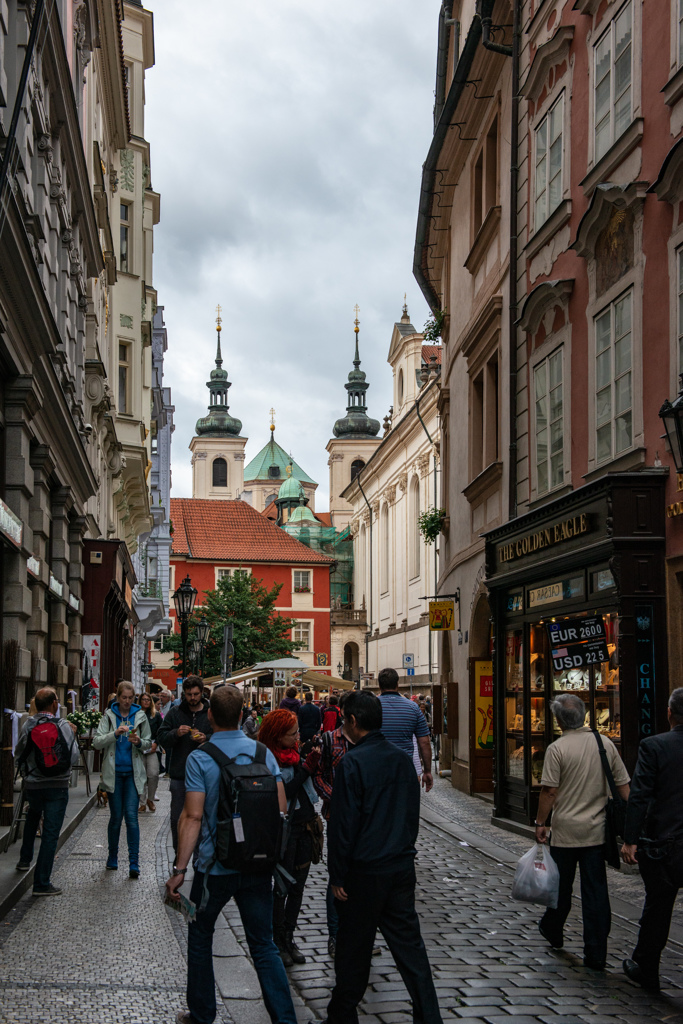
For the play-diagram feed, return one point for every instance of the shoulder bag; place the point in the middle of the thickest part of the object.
(615, 810)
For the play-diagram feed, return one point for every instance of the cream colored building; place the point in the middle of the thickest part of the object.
(394, 570)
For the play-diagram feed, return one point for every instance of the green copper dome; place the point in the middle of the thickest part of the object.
(291, 490)
(219, 422)
(302, 514)
(356, 423)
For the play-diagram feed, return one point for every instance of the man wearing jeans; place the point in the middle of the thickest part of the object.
(46, 795)
(574, 787)
(253, 893)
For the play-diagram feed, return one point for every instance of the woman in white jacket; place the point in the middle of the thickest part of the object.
(124, 736)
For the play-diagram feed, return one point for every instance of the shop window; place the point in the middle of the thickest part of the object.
(220, 473)
(549, 423)
(613, 57)
(301, 635)
(548, 172)
(124, 249)
(124, 378)
(613, 379)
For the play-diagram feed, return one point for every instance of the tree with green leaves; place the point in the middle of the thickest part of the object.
(259, 632)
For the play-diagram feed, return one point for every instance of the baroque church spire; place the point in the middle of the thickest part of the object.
(219, 422)
(356, 423)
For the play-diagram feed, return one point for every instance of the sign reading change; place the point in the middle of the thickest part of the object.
(575, 643)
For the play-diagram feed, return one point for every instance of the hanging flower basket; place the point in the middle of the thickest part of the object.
(430, 523)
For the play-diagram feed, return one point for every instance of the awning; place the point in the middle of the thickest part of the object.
(321, 682)
(237, 677)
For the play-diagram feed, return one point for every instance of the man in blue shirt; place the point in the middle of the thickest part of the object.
(402, 720)
(253, 893)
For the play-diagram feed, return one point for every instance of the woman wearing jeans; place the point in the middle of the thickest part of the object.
(151, 759)
(124, 737)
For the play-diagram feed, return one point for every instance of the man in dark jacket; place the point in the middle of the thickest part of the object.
(654, 840)
(374, 820)
(290, 702)
(184, 728)
(309, 719)
(47, 795)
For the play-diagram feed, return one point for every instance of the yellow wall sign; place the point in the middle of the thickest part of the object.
(483, 703)
(322, 659)
(441, 615)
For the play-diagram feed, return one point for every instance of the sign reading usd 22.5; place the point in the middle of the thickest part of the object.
(575, 643)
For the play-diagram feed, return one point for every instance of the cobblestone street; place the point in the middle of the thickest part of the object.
(115, 954)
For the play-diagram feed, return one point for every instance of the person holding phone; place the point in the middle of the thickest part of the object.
(124, 736)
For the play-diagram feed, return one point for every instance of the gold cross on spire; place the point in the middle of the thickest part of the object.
(218, 317)
(356, 310)
(272, 419)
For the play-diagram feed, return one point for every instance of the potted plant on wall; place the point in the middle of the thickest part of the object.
(431, 523)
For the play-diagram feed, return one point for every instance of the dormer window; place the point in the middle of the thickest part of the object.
(273, 472)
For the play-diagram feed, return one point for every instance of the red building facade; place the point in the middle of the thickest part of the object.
(215, 538)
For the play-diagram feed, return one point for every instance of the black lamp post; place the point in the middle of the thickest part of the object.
(184, 599)
(195, 654)
(203, 630)
(339, 669)
(672, 414)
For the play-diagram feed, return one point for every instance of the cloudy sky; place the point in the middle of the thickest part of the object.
(287, 143)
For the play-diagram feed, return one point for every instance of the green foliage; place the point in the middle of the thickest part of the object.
(430, 523)
(259, 633)
(434, 325)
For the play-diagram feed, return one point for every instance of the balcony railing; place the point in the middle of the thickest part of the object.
(348, 617)
(152, 588)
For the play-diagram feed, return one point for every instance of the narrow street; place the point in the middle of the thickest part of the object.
(116, 954)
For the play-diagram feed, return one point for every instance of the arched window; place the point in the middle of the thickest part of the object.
(400, 387)
(414, 535)
(384, 540)
(271, 497)
(356, 467)
(220, 473)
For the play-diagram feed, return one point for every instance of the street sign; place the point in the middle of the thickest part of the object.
(575, 643)
(411, 671)
(441, 615)
(408, 660)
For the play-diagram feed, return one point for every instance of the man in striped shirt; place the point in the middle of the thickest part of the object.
(402, 720)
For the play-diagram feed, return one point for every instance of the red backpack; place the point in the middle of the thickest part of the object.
(51, 752)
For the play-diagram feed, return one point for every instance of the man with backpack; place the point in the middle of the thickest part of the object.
(46, 751)
(233, 804)
(332, 718)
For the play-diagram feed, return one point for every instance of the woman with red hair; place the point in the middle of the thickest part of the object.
(280, 733)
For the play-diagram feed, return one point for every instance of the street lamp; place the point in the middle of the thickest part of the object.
(184, 599)
(196, 651)
(672, 414)
(202, 631)
(339, 669)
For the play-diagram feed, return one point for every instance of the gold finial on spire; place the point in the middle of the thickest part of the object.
(356, 310)
(272, 419)
(218, 318)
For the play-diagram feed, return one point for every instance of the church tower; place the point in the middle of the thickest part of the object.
(217, 447)
(355, 439)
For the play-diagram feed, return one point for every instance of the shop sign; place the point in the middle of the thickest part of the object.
(10, 525)
(552, 593)
(575, 643)
(547, 537)
(515, 601)
(441, 615)
(92, 645)
(674, 510)
(483, 703)
(322, 659)
(645, 658)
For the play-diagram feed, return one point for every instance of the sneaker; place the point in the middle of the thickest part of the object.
(51, 890)
(24, 865)
(134, 871)
(112, 865)
(142, 808)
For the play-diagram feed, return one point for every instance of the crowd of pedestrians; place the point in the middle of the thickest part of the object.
(250, 789)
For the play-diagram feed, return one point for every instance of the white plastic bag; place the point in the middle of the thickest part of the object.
(537, 879)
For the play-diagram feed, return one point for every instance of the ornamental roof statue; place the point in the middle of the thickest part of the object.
(356, 423)
(219, 422)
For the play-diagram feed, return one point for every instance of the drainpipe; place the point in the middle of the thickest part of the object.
(514, 178)
(367, 635)
(436, 553)
(484, 10)
(446, 21)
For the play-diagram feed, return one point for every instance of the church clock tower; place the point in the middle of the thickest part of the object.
(217, 447)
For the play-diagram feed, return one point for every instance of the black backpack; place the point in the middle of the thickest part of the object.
(248, 822)
(51, 752)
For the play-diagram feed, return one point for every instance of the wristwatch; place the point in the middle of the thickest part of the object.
(539, 824)
(179, 871)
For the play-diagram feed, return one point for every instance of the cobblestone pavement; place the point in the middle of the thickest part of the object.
(109, 952)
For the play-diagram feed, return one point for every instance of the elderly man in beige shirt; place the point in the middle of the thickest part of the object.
(574, 787)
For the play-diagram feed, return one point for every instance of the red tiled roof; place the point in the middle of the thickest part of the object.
(432, 350)
(324, 518)
(233, 531)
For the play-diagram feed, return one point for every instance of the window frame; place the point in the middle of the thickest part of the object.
(611, 17)
(610, 306)
(308, 624)
(414, 535)
(214, 485)
(308, 585)
(556, 100)
(125, 232)
(544, 354)
(127, 366)
(679, 307)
